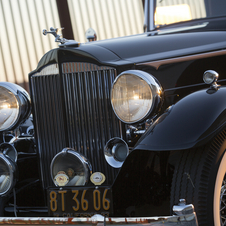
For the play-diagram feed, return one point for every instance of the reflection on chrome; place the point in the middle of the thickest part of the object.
(14, 105)
(70, 168)
(135, 95)
(7, 174)
(115, 151)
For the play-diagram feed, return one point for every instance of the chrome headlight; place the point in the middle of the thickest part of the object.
(210, 76)
(135, 94)
(7, 168)
(70, 168)
(14, 105)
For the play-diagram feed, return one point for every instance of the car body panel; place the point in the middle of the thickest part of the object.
(146, 47)
(191, 122)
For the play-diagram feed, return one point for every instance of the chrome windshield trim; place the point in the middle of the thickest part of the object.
(149, 14)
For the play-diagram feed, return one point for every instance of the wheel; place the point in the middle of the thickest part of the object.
(200, 178)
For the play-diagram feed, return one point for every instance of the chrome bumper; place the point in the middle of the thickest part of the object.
(184, 216)
(150, 221)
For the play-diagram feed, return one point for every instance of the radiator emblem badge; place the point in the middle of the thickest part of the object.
(97, 178)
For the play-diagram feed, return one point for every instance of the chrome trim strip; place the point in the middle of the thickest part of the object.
(189, 219)
(167, 31)
(156, 64)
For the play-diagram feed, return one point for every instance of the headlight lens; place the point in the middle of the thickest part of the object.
(7, 175)
(135, 94)
(14, 105)
(70, 168)
(9, 108)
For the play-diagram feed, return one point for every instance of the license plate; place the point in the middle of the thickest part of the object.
(79, 202)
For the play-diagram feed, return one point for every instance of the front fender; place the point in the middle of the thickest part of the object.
(191, 122)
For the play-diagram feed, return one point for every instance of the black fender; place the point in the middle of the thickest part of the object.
(191, 122)
(144, 181)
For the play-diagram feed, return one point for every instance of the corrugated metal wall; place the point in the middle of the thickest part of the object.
(22, 21)
(21, 41)
(109, 18)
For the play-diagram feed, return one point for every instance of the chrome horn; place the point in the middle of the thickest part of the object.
(115, 151)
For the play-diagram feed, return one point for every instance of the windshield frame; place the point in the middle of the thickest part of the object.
(149, 19)
(149, 12)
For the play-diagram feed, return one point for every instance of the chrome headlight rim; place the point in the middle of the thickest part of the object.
(12, 173)
(85, 163)
(9, 151)
(23, 101)
(155, 87)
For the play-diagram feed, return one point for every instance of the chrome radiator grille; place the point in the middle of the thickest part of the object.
(73, 109)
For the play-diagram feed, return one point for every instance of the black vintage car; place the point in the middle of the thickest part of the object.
(132, 129)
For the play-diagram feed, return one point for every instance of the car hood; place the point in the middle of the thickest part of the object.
(141, 48)
(149, 47)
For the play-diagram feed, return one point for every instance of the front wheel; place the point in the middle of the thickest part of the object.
(199, 177)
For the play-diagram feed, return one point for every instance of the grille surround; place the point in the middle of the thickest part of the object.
(73, 109)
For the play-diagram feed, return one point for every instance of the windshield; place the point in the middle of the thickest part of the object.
(172, 11)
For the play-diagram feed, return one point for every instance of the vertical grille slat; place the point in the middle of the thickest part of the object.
(90, 114)
(93, 122)
(73, 109)
(46, 98)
